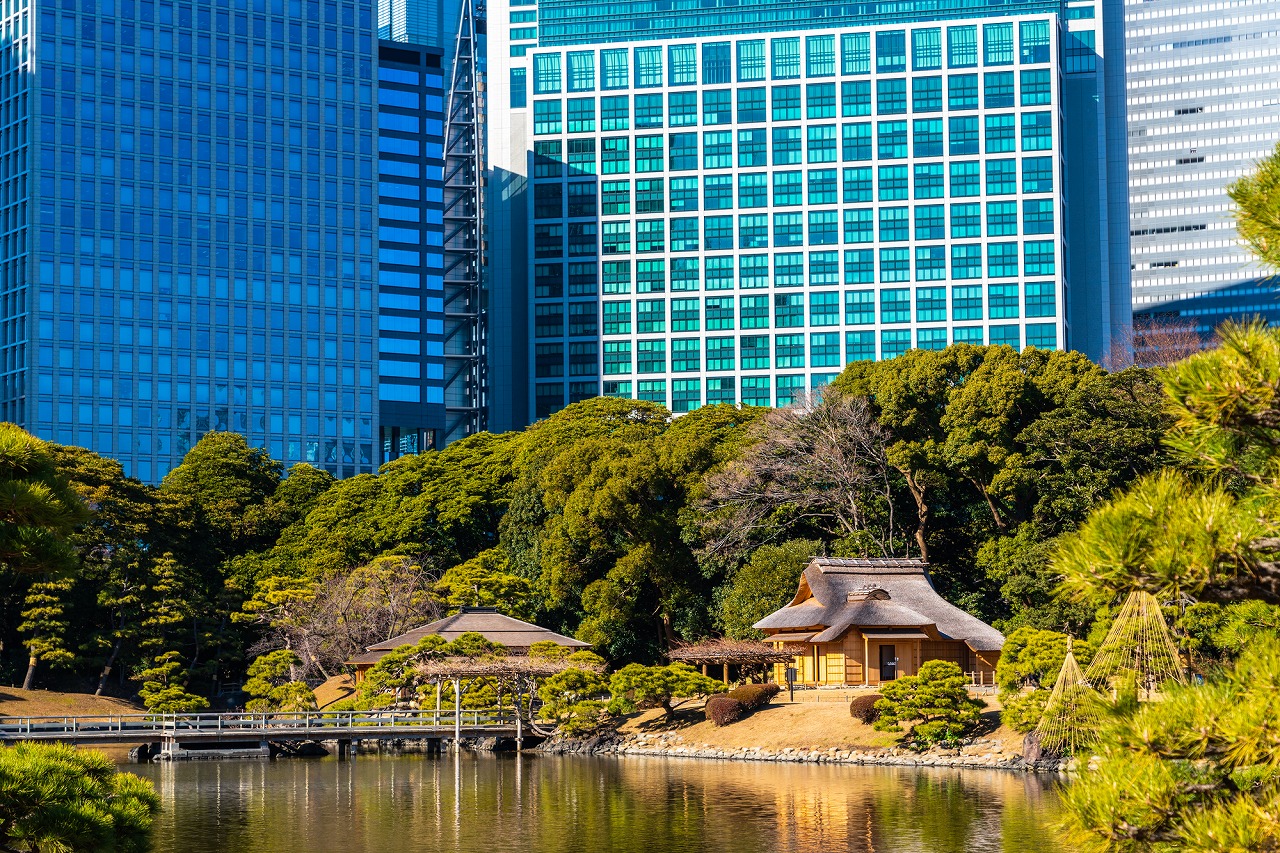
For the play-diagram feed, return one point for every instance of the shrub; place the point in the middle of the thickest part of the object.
(722, 710)
(754, 696)
(935, 701)
(659, 685)
(1022, 711)
(863, 708)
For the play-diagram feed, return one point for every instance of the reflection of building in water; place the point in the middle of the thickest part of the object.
(868, 621)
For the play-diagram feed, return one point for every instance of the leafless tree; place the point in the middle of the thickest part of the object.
(349, 611)
(820, 461)
(1157, 340)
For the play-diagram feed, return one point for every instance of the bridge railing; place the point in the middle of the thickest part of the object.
(293, 722)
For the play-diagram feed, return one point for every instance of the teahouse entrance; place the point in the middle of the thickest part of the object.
(888, 663)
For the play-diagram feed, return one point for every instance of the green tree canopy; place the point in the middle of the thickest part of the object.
(38, 508)
(662, 685)
(935, 701)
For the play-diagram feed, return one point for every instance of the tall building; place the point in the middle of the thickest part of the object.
(411, 314)
(189, 196)
(1203, 110)
(725, 202)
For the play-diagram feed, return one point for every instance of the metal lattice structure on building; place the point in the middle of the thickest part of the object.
(465, 300)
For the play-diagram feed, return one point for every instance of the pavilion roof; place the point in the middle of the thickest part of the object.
(728, 651)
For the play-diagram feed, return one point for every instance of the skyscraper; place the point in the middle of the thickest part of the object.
(189, 195)
(411, 319)
(728, 202)
(1203, 109)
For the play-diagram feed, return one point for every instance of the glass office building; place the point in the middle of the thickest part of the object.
(411, 328)
(189, 196)
(1203, 110)
(729, 203)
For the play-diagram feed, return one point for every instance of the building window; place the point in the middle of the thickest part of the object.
(717, 149)
(683, 64)
(820, 56)
(1008, 336)
(927, 137)
(684, 237)
(721, 390)
(1041, 299)
(929, 181)
(754, 312)
(582, 157)
(1042, 335)
(966, 221)
(859, 307)
(686, 394)
(788, 269)
(1038, 258)
(786, 58)
(1037, 131)
(860, 346)
(1002, 177)
(962, 47)
(582, 70)
(931, 339)
(1037, 216)
(751, 105)
(582, 115)
(615, 113)
(615, 197)
(967, 335)
(1002, 219)
(686, 355)
(824, 269)
(822, 186)
(546, 117)
(997, 89)
(926, 94)
(893, 183)
(717, 107)
(857, 141)
(616, 276)
(966, 302)
(720, 273)
(684, 152)
(651, 235)
(931, 222)
(651, 276)
(855, 53)
(648, 67)
(753, 231)
(717, 232)
(616, 155)
(824, 349)
(966, 261)
(894, 225)
(754, 352)
(786, 146)
(653, 390)
(997, 43)
(787, 189)
(616, 239)
(519, 90)
(963, 138)
(891, 96)
(788, 351)
(682, 108)
(891, 140)
(895, 305)
(894, 342)
(857, 185)
(824, 308)
(613, 69)
(686, 315)
(1033, 37)
(931, 304)
(717, 63)
(891, 51)
(617, 318)
(684, 194)
(720, 316)
(859, 226)
(751, 66)
(820, 100)
(1037, 174)
(962, 91)
(617, 358)
(788, 229)
(1002, 260)
(756, 391)
(755, 272)
(546, 73)
(859, 266)
(855, 98)
(651, 357)
(649, 153)
(1037, 87)
(926, 50)
(1001, 138)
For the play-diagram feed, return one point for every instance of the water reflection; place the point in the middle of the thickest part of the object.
(568, 805)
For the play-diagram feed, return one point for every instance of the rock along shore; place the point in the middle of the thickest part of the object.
(976, 754)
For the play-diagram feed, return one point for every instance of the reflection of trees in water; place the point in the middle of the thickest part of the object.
(566, 805)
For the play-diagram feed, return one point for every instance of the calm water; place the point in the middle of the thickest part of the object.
(543, 804)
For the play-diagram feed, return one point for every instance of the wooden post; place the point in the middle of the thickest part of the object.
(437, 720)
(519, 728)
(457, 716)
(866, 662)
(726, 673)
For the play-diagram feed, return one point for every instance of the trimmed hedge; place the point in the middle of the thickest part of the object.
(863, 708)
(722, 710)
(754, 696)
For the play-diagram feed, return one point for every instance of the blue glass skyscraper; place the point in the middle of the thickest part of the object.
(725, 202)
(189, 194)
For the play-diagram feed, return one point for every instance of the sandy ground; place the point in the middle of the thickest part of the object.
(15, 702)
(335, 690)
(817, 719)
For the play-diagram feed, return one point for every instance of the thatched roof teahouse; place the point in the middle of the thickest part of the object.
(866, 621)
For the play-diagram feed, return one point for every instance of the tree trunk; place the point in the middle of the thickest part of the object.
(669, 633)
(31, 672)
(1001, 524)
(106, 669)
(922, 514)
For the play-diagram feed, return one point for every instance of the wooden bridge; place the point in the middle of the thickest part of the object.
(189, 735)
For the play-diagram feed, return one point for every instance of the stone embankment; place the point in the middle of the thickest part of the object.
(976, 754)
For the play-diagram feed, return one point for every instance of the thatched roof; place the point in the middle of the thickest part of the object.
(729, 651)
(836, 595)
(496, 627)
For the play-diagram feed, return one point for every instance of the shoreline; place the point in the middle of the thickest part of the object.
(979, 754)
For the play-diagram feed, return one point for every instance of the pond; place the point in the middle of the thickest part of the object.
(546, 804)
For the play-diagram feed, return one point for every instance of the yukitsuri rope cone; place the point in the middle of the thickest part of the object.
(1138, 644)
(1070, 720)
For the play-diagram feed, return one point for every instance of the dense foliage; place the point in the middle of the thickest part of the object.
(935, 702)
(610, 521)
(56, 797)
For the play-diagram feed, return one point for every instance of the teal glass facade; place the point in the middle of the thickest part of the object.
(190, 195)
(729, 204)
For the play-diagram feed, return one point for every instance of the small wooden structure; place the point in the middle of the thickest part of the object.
(866, 621)
(750, 656)
(515, 635)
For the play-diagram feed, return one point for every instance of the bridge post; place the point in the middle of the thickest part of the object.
(457, 715)
(344, 749)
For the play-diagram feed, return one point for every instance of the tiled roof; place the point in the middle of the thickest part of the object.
(496, 628)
